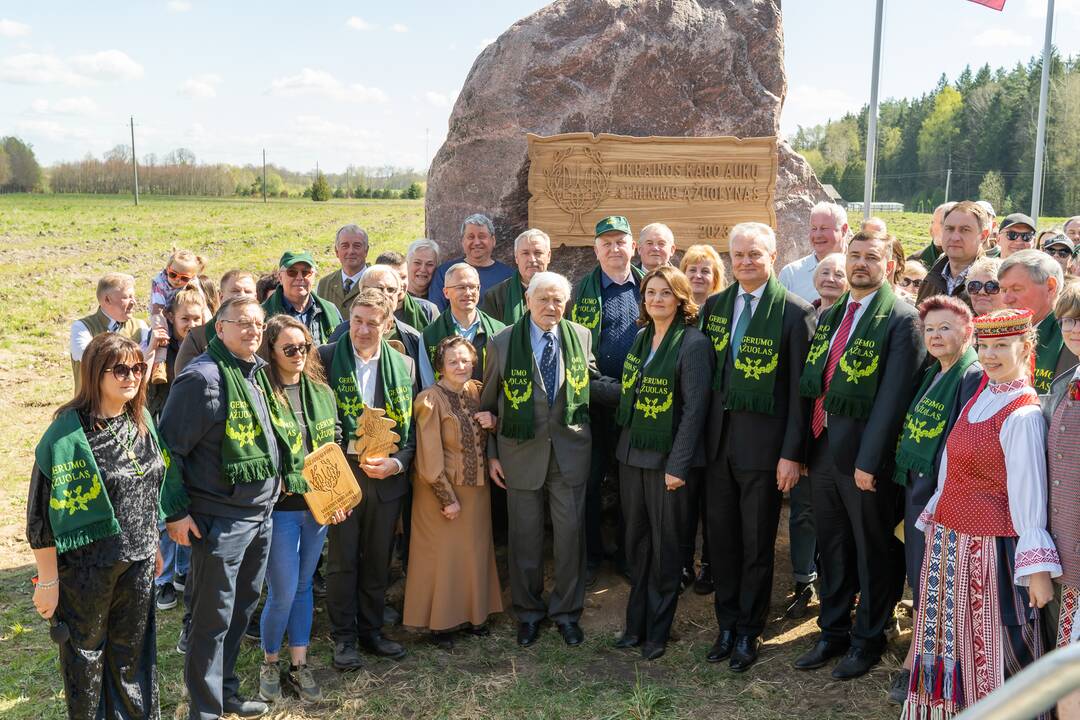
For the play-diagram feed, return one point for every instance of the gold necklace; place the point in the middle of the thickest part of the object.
(128, 443)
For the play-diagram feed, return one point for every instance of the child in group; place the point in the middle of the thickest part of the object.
(182, 270)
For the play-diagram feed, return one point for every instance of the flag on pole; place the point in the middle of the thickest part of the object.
(994, 4)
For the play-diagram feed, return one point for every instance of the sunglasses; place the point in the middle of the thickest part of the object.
(122, 372)
(990, 287)
(910, 282)
(1058, 252)
(296, 272)
(180, 277)
(291, 350)
(1015, 235)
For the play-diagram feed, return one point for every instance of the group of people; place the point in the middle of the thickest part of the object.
(872, 396)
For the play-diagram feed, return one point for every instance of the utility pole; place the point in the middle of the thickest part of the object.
(871, 125)
(1040, 133)
(264, 175)
(948, 179)
(134, 164)
(427, 148)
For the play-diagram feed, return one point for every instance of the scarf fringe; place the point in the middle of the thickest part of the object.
(517, 430)
(296, 483)
(85, 535)
(644, 440)
(249, 471)
(853, 407)
(909, 462)
(748, 401)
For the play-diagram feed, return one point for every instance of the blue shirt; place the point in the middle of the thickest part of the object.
(619, 305)
(489, 276)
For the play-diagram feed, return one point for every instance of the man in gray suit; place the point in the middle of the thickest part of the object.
(554, 459)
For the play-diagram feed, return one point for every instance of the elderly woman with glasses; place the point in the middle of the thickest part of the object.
(983, 287)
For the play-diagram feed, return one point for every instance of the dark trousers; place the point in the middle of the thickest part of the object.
(110, 663)
(655, 520)
(856, 543)
(605, 434)
(696, 510)
(566, 503)
(744, 512)
(228, 564)
(358, 568)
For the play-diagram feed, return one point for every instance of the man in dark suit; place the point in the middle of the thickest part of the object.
(754, 457)
(360, 547)
(555, 459)
(870, 357)
(341, 286)
(382, 278)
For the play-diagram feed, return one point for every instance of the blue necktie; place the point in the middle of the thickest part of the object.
(347, 285)
(548, 365)
(741, 325)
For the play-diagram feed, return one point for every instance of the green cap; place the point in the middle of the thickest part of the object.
(291, 257)
(614, 222)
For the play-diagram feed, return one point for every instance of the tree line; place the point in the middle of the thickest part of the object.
(19, 169)
(981, 126)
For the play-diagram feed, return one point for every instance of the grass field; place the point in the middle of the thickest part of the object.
(52, 250)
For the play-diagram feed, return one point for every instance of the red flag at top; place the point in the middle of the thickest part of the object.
(995, 4)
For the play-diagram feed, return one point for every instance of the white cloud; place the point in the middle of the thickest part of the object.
(809, 105)
(201, 86)
(38, 69)
(436, 99)
(52, 130)
(1037, 8)
(320, 82)
(484, 43)
(179, 6)
(10, 28)
(108, 65)
(1000, 37)
(359, 23)
(399, 28)
(65, 106)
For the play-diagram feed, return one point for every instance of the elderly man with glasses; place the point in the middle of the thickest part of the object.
(296, 273)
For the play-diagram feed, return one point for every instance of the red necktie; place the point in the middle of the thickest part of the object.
(839, 343)
(1074, 390)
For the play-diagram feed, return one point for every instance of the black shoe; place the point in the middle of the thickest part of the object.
(571, 633)
(899, 688)
(252, 632)
(591, 576)
(528, 633)
(856, 663)
(318, 585)
(627, 641)
(390, 615)
(686, 579)
(179, 581)
(703, 584)
(182, 642)
(804, 594)
(443, 640)
(478, 630)
(166, 597)
(821, 653)
(346, 656)
(745, 653)
(721, 649)
(383, 647)
(652, 651)
(240, 707)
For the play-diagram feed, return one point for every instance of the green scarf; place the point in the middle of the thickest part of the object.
(396, 383)
(211, 329)
(444, 326)
(853, 387)
(647, 408)
(588, 307)
(517, 385)
(751, 383)
(1047, 354)
(930, 255)
(80, 511)
(414, 314)
(320, 415)
(245, 449)
(924, 426)
(329, 318)
(515, 300)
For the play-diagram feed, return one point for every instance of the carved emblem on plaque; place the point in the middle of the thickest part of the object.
(577, 183)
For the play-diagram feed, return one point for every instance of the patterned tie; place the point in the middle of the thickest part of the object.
(741, 325)
(548, 365)
(839, 343)
(347, 285)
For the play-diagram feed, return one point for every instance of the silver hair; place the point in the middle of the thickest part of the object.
(944, 207)
(1070, 221)
(988, 265)
(755, 230)
(380, 270)
(531, 234)
(462, 266)
(542, 280)
(659, 229)
(420, 245)
(479, 219)
(1040, 266)
(839, 258)
(836, 212)
(351, 229)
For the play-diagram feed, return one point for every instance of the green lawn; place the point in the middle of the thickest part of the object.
(53, 249)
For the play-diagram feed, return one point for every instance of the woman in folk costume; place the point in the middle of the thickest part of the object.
(989, 559)
(101, 481)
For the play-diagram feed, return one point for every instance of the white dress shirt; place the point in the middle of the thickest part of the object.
(798, 277)
(863, 304)
(536, 335)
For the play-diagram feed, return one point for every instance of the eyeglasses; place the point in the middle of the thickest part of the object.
(1069, 324)
(122, 372)
(297, 272)
(181, 277)
(464, 288)
(1015, 235)
(991, 287)
(910, 282)
(247, 325)
(291, 350)
(1059, 252)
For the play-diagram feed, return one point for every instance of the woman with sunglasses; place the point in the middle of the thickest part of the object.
(300, 391)
(982, 286)
(911, 280)
(98, 487)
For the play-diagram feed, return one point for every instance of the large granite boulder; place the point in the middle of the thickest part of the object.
(631, 67)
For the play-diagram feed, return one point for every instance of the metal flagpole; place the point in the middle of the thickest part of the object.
(871, 125)
(1040, 134)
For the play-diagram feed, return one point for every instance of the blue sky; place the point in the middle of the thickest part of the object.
(367, 83)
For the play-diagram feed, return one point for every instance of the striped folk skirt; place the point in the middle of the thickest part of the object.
(973, 629)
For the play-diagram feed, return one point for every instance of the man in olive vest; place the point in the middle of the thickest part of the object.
(340, 287)
(116, 303)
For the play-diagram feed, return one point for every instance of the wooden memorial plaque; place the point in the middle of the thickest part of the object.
(698, 186)
(375, 436)
(331, 485)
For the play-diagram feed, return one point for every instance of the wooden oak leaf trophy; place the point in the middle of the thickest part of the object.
(375, 436)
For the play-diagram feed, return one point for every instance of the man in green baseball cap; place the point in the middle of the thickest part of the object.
(296, 276)
(613, 223)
